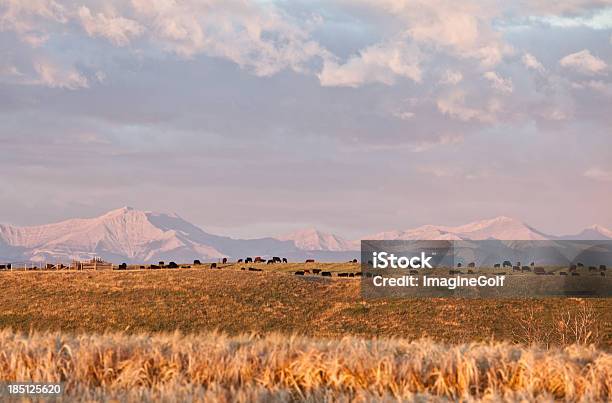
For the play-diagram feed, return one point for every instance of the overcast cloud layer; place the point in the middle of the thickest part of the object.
(258, 117)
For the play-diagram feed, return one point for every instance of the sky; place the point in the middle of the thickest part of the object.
(253, 118)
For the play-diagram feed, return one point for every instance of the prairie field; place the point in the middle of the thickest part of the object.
(276, 367)
(225, 335)
(235, 301)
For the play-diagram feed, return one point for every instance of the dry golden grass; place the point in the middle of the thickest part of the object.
(234, 301)
(217, 367)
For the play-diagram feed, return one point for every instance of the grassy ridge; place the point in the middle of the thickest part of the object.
(234, 301)
(215, 367)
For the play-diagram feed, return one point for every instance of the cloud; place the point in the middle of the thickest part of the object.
(53, 76)
(584, 62)
(28, 18)
(381, 63)
(453, 104)
(532, 63)
(500, 84)
(598, 174)
(118, 30)
(444, 140)
(451, 77)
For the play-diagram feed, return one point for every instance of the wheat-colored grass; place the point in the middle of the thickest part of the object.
(275, 367)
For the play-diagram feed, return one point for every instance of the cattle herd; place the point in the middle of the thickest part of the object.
(572, 270)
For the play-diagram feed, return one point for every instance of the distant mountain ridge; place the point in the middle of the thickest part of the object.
(131, 235)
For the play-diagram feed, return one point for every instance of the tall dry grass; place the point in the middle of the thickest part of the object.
(216, 367)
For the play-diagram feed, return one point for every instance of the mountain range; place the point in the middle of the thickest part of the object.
(134, 236)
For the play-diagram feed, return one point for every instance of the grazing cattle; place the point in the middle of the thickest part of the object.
(563, 273)
(358, 274)
(507, 263)
(284, 260)
(299, 273)
(224, 260)
(185, 266)
(243, 268)
(579, 264)
(310, 261)
(592, 268)
(532, 264)
(258, 259)
(248, 260)
(142, 267)
(575, 273)
(306, 271)
(254, 269)
(153, 267)
(123, 266)
(602, 267)
(270, 261)
(197, 262)
(352, 275)
(459, 265)
(470, 271)
(239, 261)
(527, 269)
(172, 265)
(516, 268)
(354, 260)
(539, 270)
(276, 259)
(316, 271)
(326, 274)
(213, 265)
(161, 263)
(472, 265)
(2, 266)
(496, 266)
(342, 274)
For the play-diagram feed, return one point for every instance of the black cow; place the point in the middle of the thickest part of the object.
(224, 260)
(299, 273)
(326, 274)
(284, 260)
(579, 264)
(496, 266)
(161, 264)
(239, 261)
(172, 265)
(343, 274)
(153, 267)
(602, 267)
(459, 265)
(254, 269)
(276, 259)
(472, 265)
(316, 271)
(358, 274)
(248, 260)
(197, 262)
(270, 261)
(354, 260)
(507, 263)
(310, 261)
(213, 265)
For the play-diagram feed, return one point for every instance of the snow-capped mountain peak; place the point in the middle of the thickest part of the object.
(312, 239)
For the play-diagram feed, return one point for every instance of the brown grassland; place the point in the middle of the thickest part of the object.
(226, 334)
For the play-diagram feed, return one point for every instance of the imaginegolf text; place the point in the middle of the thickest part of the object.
(449, 282)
